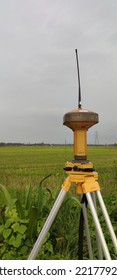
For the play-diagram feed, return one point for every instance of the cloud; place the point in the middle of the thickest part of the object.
(38, 79)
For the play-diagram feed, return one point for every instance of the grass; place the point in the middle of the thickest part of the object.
(21, 166)
(25, 166)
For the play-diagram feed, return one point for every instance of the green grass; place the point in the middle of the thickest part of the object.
(24, 166)
(21, 167)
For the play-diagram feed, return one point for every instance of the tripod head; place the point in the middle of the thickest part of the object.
(80, 120)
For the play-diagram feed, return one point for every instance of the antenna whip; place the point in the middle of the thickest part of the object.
(79, 89)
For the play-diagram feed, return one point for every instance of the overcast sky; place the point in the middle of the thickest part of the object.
(38, 78)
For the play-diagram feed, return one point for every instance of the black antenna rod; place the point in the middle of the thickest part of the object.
(79, 89)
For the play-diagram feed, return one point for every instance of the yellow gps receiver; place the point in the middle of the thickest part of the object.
(80, 121)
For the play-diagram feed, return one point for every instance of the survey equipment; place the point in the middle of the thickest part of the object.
(81, 173)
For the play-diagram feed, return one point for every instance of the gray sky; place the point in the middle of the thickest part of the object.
(38, 78)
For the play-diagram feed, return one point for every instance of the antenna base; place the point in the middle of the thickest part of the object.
(80, 118)
(80, 121)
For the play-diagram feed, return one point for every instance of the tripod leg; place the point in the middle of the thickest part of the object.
(98, 226)
(87, 231)
(47, 224)
(100, 254)
(107, 219)
(80, 235)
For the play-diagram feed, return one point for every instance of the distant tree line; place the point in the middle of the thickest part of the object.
(3, 144)
(23, 144)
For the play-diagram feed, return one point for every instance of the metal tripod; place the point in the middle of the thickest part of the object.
(86, 183)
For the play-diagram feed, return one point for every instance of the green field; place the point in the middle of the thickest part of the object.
(24, 167)
(21, 166)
